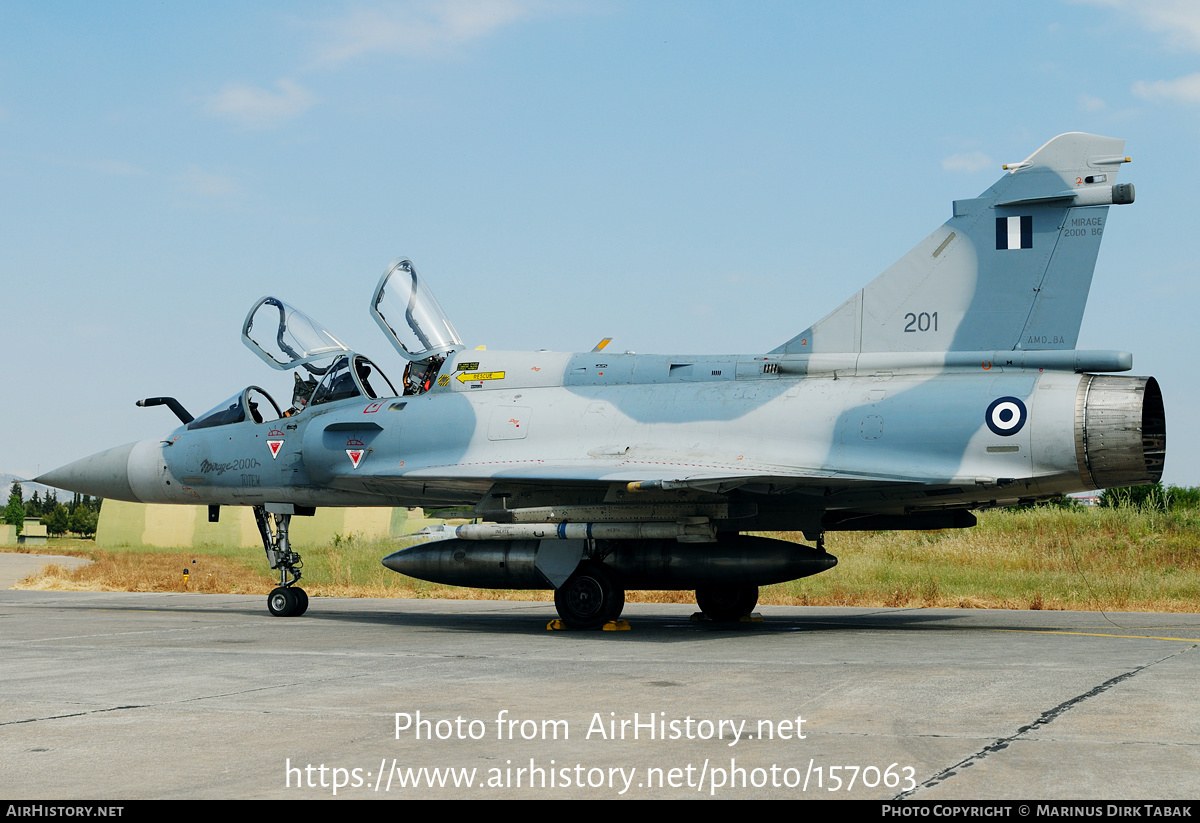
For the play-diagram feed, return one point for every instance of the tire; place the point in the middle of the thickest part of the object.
(617, 605)
(727, 604)
(282, 602)
(301, 601)
(590, 598)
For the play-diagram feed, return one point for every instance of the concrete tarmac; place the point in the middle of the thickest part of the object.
(16, 566)
(115, 696)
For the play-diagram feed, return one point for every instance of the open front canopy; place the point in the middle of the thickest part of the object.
(285, 337)
(410, 316)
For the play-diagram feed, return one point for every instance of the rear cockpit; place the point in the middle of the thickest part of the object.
(352, 376)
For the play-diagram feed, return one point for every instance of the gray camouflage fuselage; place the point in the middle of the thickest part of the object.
(782, 451)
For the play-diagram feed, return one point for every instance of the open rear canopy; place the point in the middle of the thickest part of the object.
(410, 316)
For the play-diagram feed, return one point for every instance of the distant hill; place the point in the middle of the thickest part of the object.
(27, 489)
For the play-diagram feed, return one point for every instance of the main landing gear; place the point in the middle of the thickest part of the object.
(591, 597)
(727, 604)
(287, 599)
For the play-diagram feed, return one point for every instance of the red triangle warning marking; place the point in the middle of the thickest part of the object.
(274, 446)
(355, 451)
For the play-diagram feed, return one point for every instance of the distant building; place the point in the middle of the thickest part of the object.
(157, 524)
(32, 534)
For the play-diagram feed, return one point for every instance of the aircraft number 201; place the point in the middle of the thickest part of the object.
(921, 322)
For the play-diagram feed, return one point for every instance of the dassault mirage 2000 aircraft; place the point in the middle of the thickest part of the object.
(949, 383)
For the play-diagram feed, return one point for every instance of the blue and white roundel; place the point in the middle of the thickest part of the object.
(1006, 416)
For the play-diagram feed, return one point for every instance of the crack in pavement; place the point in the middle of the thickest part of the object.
(1044, 719)
(185, 700)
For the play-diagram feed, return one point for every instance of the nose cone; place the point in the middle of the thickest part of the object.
(425, 561)
(404, 563)
(102, 475)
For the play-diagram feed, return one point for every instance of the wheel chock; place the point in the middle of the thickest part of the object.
(611, 626)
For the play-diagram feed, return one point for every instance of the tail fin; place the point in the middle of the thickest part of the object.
(1010, 270)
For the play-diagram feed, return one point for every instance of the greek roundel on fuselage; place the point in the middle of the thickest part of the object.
(1006, 416)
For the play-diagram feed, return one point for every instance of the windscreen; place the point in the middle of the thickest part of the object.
(230, 411)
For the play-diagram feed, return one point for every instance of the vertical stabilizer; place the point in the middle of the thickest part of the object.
(1010, 270)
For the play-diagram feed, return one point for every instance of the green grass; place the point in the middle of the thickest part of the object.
(1123, 558)
(1073, 558)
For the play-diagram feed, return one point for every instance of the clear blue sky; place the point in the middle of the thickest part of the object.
(681, 176)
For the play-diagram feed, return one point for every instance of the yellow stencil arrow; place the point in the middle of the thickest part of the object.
(464, 377)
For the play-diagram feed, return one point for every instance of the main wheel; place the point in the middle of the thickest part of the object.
(617, 604)
(590, 598)
(727, 603)
(282, 602)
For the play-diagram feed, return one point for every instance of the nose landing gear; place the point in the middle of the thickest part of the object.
(287, 599)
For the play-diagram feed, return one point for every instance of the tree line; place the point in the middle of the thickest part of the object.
(79, 515)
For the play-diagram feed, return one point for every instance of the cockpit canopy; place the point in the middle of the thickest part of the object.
(250, 404)
(285, 337)
(410, 316)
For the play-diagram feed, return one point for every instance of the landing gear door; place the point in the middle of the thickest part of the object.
(285, 337)
(410, 316)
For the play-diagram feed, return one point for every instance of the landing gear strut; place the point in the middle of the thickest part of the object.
(591, 597)
(287, 599)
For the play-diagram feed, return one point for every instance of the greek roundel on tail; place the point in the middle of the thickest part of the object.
(949, 383)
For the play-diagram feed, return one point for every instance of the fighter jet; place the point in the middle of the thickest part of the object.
(948, 384)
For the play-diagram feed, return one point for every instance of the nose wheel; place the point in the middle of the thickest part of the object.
(287, 601)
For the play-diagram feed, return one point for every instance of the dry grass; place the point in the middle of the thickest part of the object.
(1093, 559)
(208, 574)
(122, 572)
